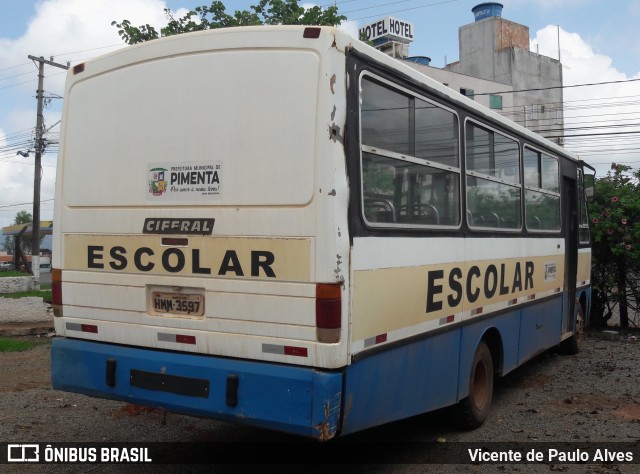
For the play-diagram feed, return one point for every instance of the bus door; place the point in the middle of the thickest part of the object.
(569, 211)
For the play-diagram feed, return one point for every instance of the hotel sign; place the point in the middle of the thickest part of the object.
(388, 27)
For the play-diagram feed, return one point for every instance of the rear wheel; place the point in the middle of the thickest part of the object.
(474, 409)
(573, 344)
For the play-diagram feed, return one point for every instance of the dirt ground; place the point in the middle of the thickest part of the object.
(26, 370)
(591, 397)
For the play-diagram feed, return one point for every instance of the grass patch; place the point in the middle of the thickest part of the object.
(45, 294)
(13, 273)
(16, 345)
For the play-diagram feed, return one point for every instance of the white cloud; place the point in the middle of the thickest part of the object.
(66, 26)
(351, 28)
(546, 4)
(59, 27)
(594, 106)
(581, 63)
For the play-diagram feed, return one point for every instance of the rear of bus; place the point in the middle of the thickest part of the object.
(201, 244)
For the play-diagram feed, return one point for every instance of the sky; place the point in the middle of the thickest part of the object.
(597, 42)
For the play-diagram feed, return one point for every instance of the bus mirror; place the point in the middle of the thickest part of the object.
(589, 187)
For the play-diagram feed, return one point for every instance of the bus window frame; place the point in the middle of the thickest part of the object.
(532, 230)
(475, 174)
(364, 148)
(583, 209)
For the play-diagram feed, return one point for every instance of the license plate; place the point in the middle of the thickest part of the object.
(177, 303)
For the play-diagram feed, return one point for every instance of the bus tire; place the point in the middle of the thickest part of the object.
(474, 409)
(572, 345)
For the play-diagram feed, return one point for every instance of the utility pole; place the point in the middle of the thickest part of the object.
(559, 57)
(37, 178)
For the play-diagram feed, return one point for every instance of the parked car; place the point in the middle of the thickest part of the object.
(6, 265)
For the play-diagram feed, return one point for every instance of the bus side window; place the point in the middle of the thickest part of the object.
(583, 236)
(378, 185)
(410, 159)
(542, 196)
(493, 179)
(385, 118)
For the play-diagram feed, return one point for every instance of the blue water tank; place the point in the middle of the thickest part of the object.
(424, 60)
(487, 10)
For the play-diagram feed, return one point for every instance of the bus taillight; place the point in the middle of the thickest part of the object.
(328, 311)
(311, 32)
(56, 291)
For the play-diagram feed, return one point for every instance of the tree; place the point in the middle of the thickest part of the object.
(22, 217)
(267, 12)
(615, 227)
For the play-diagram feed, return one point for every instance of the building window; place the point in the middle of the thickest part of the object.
(467, 92)
(558, 117)
(495, 102)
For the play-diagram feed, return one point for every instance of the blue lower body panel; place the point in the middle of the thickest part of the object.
(414, 378)
(297, 400)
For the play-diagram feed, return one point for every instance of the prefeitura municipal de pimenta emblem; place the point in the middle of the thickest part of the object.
(157, 183)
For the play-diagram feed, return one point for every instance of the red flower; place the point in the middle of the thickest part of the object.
(624, 222)
(628, 247)
(595, 220)
(610, 231)
(604, 214)
(614, 199)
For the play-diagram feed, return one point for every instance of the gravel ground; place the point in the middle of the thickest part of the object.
(591, 397)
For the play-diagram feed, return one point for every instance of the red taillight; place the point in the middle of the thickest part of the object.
(380, 338)
(311, 32)
(295, 351)
(56, 291)
(184, 339)
(89, 328)
(328, 312)
(328, 306)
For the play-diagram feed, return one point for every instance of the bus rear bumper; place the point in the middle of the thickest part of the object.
(296, 400)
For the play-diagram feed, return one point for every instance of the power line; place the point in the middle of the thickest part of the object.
(380, 5)
(16, 75)
(404, 10)
(64, 54)
(592, 134)
(587, 127)
(14, 67)
(559, 87)
(18, 84)
(23, 203)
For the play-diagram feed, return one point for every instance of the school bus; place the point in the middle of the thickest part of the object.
(284, 227)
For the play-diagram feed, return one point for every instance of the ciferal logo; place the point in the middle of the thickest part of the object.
(23, 453)
(161, 225)
(157, 183)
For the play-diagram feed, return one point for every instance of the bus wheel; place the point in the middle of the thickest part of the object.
(573, 344)
(474, 409)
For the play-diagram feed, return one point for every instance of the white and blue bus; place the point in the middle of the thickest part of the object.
(284, 227)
